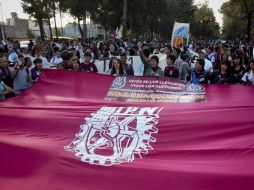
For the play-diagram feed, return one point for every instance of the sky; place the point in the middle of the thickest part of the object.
(8, 6)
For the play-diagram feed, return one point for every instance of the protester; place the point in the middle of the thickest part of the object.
(42, 55)
(171, 70)
(88, 65)
(60, 66)
(198, 74)
(144, 56)
(211, 56)
(117, 68)
(5, 73)
(152, 69)
(237, 70)
(35, 72)
(127, 67)
(225, 62)
(178, 61)
(4, 90)
(208, 64)
(20, 76)
(76, 65)
(57, 58)
(222, 76)
(28, 63)
(224, 57)
(248, 78)
(67, 60)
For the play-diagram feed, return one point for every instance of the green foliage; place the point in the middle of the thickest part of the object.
(144, 18)
(80, 9)
(238, 17)
(39, 10)
(30, 34)
(204, 25)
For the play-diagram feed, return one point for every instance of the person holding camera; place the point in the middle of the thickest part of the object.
(6, 80)
(20, 75)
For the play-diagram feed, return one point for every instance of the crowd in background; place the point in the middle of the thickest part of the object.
(199, 62)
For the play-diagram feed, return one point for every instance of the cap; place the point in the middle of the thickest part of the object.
(13, 58)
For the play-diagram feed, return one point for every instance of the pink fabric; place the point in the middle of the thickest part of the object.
(199, 146)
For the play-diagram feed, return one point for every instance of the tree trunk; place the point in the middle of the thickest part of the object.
(105, 33)
(125, 6)
(42, 32)
(249, 27)
(50, 29)
(54, 14)
(84, 28)
(80, 29)
(48, 20)
(60, 11)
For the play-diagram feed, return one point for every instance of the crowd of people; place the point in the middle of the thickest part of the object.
(200, 63)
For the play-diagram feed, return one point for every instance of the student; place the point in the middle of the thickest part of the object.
(117, 68)
(237, 70)
(57, 58)
(36, 71)
(171, 70)
(223, 76)
(127, 67)
(184, 67)
(248, 78)
(20, 76)
(76, 65)
(152, 68)
(87, 65)
(198, 74)
(4, 90)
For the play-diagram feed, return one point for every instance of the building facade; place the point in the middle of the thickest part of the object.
(72, 30)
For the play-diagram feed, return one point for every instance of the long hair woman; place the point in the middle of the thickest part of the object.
(117, 68)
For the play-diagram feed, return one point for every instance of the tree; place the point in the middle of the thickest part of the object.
(185, 13)
(38, 10)
(243, 10)
(233, 24)
(53, 3)
(63, 7)
(30, 34)
(80, 9)
(48, 9)
(204, 25)
(125, 8)
(108, 14)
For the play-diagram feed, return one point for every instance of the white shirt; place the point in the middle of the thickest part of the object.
(56, 60)
(211, 57)
(208, 65)
(248, 76)
(45, 63)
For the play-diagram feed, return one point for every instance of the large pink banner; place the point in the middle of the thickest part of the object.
(154, 90)
(61, 134)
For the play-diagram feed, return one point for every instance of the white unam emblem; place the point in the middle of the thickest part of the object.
(114, 135)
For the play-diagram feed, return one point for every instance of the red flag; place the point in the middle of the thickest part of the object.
(61, 134)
